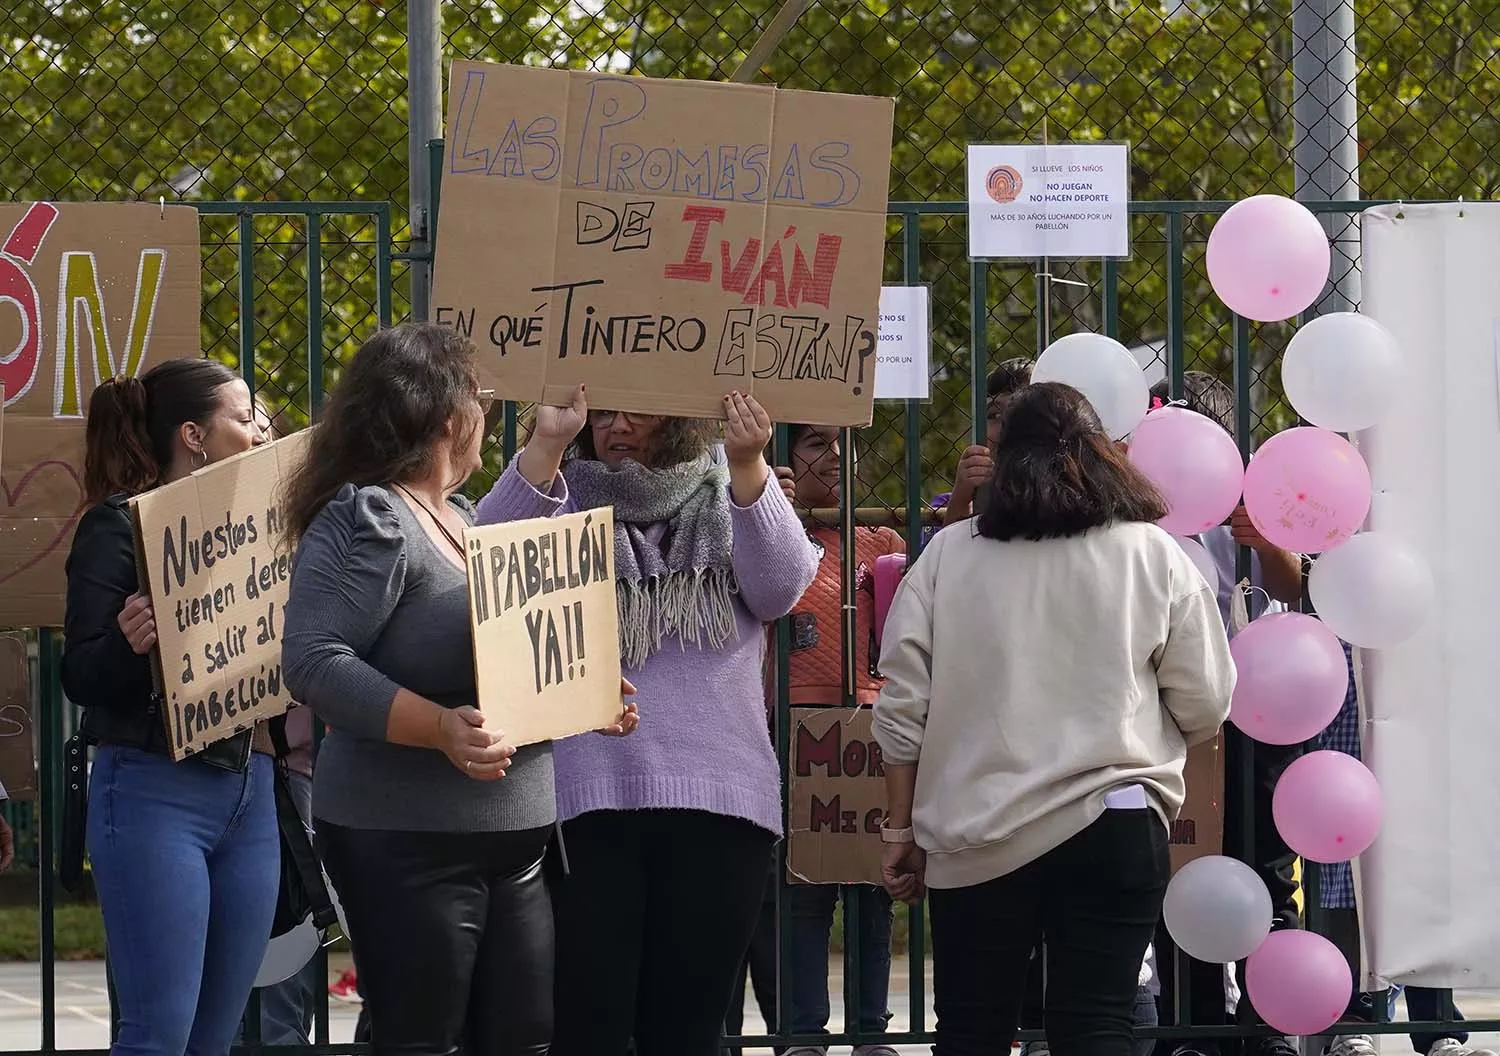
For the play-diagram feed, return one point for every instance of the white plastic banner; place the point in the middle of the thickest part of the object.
(1432, 705)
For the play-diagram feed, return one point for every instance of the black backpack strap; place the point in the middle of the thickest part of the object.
(75, 812)
(277, 728)
(294, 839)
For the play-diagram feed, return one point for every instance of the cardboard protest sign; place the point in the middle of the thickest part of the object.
(218, 573)
(838, 797)
(546, 632)
(91, 290)
(17, 755)
(1199, 829)
(665, 241)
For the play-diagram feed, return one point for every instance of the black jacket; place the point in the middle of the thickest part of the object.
(100, 672)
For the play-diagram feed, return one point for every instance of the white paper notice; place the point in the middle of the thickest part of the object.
(1063, 200)
(902, 356)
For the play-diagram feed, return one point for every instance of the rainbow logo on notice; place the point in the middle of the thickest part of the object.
(1003, 184)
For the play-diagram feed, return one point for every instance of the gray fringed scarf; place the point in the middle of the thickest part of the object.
(682, 585)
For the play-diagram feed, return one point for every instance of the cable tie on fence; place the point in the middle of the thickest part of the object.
(1400, 209)
(1460, 207)
(162, 201)
(1058, 279)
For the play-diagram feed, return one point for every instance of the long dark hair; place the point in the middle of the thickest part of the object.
(133, 423)
(395, 397)
(1057, 472)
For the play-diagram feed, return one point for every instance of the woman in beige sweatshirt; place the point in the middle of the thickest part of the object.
(1034, 749)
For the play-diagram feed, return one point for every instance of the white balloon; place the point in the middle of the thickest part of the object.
(1202, 558)
(1342, 371)
(287, 954)
(1374, 591)
(1105, 372)
(1217, 909)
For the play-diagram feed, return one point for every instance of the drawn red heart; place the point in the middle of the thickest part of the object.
(13, 498)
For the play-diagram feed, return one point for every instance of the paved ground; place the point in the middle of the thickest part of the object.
(83, 1010)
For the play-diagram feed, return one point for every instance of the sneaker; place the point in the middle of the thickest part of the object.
(346, 989)
(1195, 1050)
(875, 1050)
(1454, 1047)
(1277, 1046)
(1035, 1048)
(806, 1050)
(1353, 1045)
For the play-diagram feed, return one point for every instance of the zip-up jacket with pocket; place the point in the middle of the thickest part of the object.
(100, 671)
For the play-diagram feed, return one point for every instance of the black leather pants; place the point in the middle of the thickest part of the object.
(452, 936)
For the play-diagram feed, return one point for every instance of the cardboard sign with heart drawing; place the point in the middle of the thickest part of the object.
(88, 291)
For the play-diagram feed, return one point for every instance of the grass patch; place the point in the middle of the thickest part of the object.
(78, 932)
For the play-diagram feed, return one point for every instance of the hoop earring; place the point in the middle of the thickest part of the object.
(202, 458)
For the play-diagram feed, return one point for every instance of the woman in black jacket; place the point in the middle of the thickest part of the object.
(185, 855)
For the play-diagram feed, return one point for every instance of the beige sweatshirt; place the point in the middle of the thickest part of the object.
(1028, 679)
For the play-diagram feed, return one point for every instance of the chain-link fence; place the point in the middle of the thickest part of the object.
(264, 100)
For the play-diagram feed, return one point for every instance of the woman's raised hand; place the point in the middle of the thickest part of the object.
(747, 429)
(557, 426)
(554, 431)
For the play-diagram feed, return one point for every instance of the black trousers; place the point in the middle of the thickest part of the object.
(759, 966)
(1094, 901)
(653, 921)
(452, 936)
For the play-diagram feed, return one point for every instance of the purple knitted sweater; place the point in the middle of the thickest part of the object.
(702, 742)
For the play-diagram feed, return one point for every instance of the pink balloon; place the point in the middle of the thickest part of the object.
(1193, 463)
(1268, 258)
(1293, 678)
(1299, 982)
(1307, 490)
(1328, 807)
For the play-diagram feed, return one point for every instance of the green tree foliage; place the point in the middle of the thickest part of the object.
(267, 100)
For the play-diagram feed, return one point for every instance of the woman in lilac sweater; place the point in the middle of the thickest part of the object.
(666, 834)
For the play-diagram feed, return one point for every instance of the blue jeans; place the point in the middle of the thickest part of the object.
(1145, 1016)
(811, 908)
(186, 861)
(288, 1007)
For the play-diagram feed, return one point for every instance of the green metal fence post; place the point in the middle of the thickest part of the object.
(49, 821)
(247, 298)
(911, 267)
(315, 315)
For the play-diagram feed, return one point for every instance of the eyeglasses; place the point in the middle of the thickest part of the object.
(486, 398)
(605, 419)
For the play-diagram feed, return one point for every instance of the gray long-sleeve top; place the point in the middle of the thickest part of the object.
(374, 606)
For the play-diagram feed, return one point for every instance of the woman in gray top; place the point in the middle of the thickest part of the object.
(438, 862)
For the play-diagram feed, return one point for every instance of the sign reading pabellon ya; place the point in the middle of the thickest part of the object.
(546, 631)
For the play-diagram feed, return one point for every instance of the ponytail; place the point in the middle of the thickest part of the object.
(117, 443)
(131, 436)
